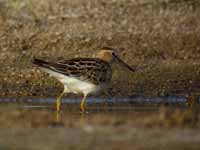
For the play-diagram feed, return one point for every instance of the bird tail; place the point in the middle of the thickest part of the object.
(40, 63)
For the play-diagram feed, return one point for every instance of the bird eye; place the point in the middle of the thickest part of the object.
(113, 54)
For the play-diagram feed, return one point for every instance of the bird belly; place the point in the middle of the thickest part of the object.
(74, 85)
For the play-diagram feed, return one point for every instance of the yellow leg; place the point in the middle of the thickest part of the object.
(58, 101)
(83, 104)
(58, 117)
(192, 101)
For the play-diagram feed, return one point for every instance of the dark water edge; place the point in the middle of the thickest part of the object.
(93, 100)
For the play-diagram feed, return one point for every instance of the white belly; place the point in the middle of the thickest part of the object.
(77, 86)
(73, 85)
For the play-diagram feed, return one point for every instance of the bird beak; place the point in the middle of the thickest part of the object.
(122, 63)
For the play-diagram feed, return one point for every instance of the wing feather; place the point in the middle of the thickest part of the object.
(86, 69)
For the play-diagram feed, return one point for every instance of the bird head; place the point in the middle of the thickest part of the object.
(109, 55)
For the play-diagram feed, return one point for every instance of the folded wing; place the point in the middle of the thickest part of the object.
(86, 69)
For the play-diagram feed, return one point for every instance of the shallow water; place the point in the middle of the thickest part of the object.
(37, 115)
(26, 111)
(127, 105)
(33, 123)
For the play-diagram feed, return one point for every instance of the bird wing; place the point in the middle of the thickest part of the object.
(85, 69)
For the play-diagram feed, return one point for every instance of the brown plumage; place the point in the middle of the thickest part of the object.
(92, 70)
(83, 75)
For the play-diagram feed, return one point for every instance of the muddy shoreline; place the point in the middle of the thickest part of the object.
(166, 32)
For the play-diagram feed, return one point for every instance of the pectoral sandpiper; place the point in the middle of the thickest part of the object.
(83, 75)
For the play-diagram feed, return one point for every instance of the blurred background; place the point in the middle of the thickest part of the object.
(163, 36)
(144, 32)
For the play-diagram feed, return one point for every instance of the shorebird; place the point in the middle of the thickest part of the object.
(83, 75)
